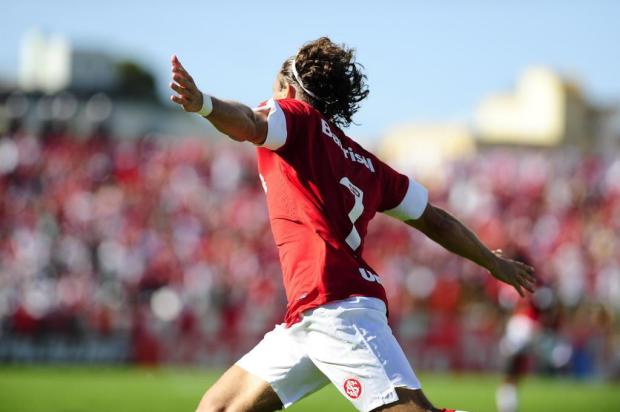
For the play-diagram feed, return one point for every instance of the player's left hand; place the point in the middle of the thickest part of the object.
(189, 96)
(513, 272)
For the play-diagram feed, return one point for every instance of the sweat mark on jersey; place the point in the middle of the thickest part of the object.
(347, 152)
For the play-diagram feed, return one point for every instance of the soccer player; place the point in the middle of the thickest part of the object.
(521, 329)
(531, 316)
(322, 189)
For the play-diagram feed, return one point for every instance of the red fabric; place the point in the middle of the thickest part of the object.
(309, 208)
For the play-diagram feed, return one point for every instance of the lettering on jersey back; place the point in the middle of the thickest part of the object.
(369, 276)
(347, 152)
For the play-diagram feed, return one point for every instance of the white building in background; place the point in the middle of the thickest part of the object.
(545, 109)
(534, 113)
(425, 148)
(58, 82)
(49, 64)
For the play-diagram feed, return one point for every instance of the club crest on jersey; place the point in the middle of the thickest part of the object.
(353, 388)
(347, 152)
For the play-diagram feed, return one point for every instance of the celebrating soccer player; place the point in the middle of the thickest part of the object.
(322, 189)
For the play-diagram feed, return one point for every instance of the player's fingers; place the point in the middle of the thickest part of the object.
(518, 288)
(527, 271)
(181, 72)
(186, 83)
(181, 90)
(528, 281)
(531, 276)
(179, 100)
(527, 285)
(178, 68)
(176, 62)
(525, 266)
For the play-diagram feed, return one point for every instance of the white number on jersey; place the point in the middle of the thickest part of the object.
(369, 276)
(353, 239)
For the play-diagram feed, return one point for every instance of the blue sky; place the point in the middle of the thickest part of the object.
(425, 61)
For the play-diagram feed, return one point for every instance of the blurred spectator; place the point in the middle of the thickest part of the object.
(168, 243)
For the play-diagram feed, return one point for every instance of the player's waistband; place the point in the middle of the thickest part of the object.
(353, 302)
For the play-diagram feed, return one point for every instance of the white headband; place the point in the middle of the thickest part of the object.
(298, 79)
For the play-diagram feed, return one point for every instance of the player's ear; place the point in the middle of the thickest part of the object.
(291, 92)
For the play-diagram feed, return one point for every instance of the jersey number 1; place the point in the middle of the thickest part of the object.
(353, 239)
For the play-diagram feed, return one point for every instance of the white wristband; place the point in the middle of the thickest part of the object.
(207, 106)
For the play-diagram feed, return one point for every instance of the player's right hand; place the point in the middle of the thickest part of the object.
(513, 272)
(188, 95)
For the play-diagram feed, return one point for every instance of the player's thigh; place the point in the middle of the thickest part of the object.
(238, 390)
(409, 400)
(354, 347)
(280, 361)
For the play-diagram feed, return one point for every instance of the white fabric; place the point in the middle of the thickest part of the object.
(298, 79)
(276, 125)
(207, 105)
(520, 333)
(506, 398)
(413, 204)
(347, 342)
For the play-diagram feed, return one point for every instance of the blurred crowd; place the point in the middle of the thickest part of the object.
(166, 243)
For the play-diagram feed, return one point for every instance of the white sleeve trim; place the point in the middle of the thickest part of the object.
(276, 126)
(413, 204)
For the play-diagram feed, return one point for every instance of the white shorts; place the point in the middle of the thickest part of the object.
(347, 342)
(519, 335)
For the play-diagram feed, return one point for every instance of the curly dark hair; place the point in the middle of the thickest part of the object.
(330, 72)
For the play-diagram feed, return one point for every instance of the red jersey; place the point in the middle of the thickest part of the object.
(322, 189)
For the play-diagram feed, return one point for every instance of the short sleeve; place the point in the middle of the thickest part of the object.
(285, 119)
(276, 125)
(403, 197)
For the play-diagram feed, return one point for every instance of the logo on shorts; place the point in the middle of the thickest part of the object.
(353, 388)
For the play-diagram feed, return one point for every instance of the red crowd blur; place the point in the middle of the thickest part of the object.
(167, 242)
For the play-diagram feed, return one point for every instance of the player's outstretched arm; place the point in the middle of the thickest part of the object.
(234, 119)
(453, 235)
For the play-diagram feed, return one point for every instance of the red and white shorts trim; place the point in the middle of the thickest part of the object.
(346, 342)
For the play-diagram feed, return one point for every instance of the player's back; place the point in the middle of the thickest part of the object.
(322, 190)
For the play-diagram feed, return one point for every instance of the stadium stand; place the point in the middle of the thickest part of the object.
(159, 251)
